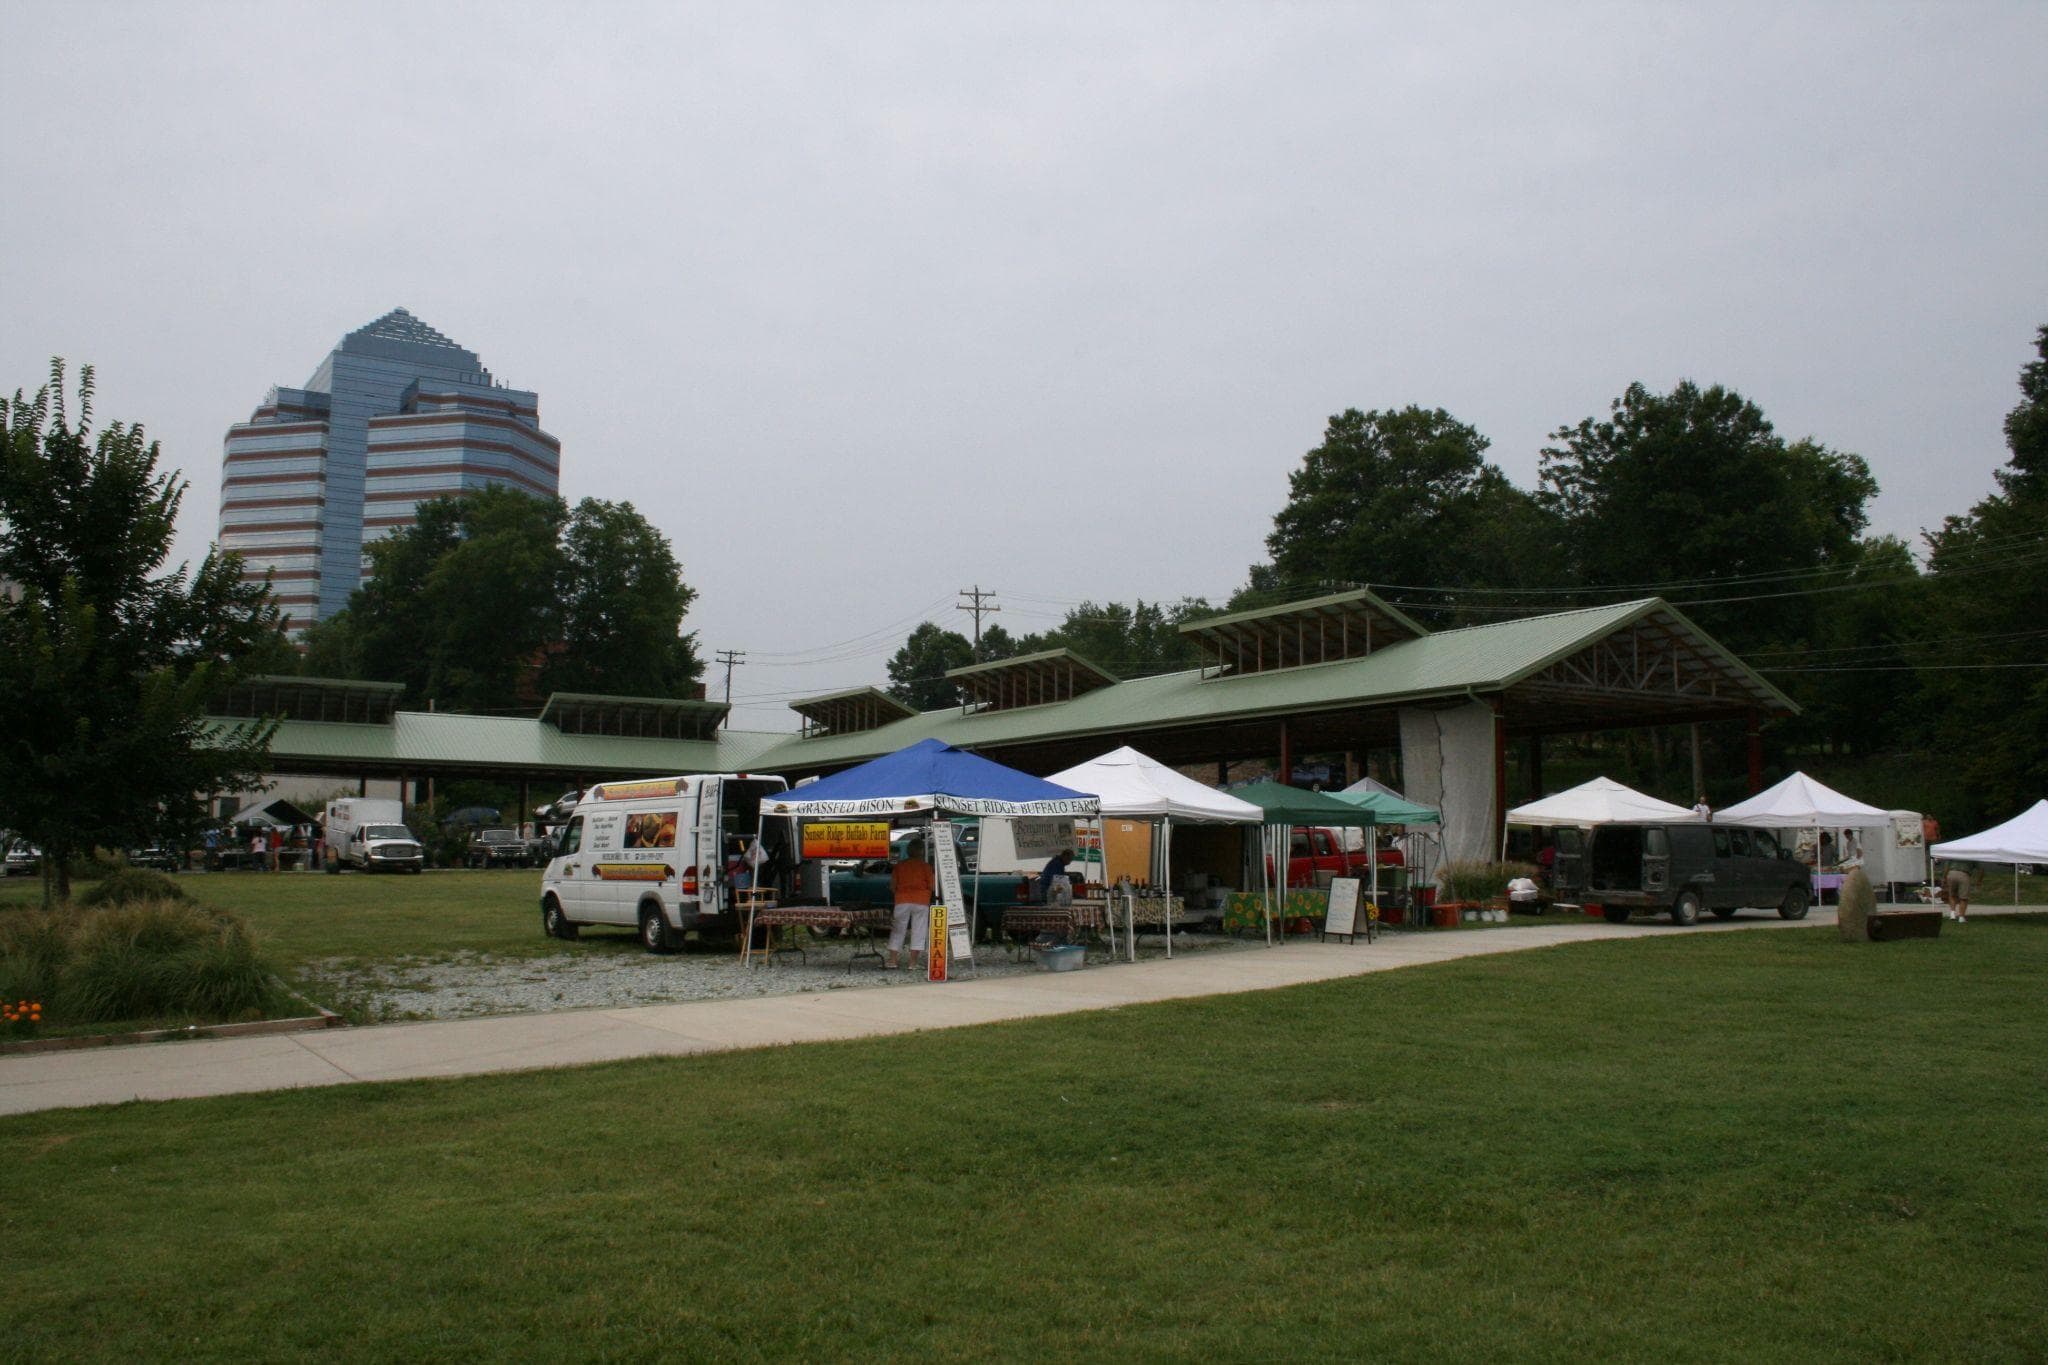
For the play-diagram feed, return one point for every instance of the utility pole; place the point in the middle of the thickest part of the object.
(729, 657)
(974, 596)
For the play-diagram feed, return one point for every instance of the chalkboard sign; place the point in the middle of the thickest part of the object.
(1342, 918)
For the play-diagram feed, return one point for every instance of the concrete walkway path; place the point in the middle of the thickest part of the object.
(468, 1047)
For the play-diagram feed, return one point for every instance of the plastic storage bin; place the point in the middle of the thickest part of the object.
(1065, 957)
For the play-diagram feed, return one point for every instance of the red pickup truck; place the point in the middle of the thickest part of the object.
(1313, 850)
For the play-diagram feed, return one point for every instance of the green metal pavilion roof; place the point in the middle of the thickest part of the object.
(1447, 664)
(1637, 662)
(419, 742)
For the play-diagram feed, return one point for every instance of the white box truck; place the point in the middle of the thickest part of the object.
(652, 855)
(369, 833)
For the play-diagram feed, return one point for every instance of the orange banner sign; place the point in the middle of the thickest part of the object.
(935, 954)
(633, 872)
(635, 791)
(846, 839)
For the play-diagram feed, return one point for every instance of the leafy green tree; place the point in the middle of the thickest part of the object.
(107, 660)
(1130, 641)
(997, 643)
(917, 671)
(622, 606)
(1989, 573)
(1402, 497)
(1695, 484)
(461, 605)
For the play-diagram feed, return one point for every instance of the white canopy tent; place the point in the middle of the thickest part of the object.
(1132, 786)
(1603, 801)
(2022, 839)
(1799, 802)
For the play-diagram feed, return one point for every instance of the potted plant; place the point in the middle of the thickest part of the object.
(1465, 884)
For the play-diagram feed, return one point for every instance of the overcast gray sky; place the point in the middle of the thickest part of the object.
(863, 304)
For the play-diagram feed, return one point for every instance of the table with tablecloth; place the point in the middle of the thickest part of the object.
(856, 922)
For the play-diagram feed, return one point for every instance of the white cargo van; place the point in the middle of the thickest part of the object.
(651, 855)
(368, 832)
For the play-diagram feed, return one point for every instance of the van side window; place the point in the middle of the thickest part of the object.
(1720, 843)
(1738, 840)
(572, 837)
(1656, 843)
(1766, 844)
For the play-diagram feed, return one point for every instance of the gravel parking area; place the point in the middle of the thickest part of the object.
(607, 975)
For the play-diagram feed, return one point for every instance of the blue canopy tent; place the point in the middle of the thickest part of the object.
(930, 776)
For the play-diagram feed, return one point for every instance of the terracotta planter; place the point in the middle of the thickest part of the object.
(1446, 914)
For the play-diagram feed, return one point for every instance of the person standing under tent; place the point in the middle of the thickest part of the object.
(1955, 889)
(1054, 887)
(1702, 809)
(910, 882)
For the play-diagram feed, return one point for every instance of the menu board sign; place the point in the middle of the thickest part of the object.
(1342, 916)
(959, 932)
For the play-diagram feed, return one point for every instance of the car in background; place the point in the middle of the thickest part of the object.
(497, 846)
(23, 859)
(158, 856)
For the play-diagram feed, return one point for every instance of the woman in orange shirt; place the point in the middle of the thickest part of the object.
(911, 883)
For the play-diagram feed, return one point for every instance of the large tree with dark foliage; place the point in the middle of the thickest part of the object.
(1987, 686)
(1694, 485)
(622, 605)
(492, 599)
(1130, 641)
(107, 661)
(1405, 498)
(917, 671)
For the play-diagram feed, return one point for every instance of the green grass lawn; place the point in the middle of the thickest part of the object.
(1695, 1148)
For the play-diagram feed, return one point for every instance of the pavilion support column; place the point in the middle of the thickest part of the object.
(1286, 778)
(1222, 772)
(1500, 775)
(1699, 767)
(1755, 737)
(362, 786)
(1350, 767)
(525, 809)
(1450, 759)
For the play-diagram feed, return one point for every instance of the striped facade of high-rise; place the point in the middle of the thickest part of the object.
(395, 415)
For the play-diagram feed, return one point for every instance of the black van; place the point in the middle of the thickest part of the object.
(1681, 868)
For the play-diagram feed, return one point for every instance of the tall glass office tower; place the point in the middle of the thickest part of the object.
(395, 415)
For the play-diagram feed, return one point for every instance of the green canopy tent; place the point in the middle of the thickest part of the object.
(1285, 807)
(1390, 810)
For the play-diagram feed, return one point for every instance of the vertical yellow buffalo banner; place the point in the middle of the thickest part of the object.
(846, 839)
(936, 953)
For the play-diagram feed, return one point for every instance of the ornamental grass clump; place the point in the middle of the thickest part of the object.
(1475, 880)
(128, 885)
(149, 960)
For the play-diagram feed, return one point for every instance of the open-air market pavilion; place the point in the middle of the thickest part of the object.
(1342, 673)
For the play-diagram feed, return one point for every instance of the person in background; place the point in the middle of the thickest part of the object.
(276, 846)
(1955, 889)
(1702, 809)
(910, 882)
(1053, 880)
(256, 848)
